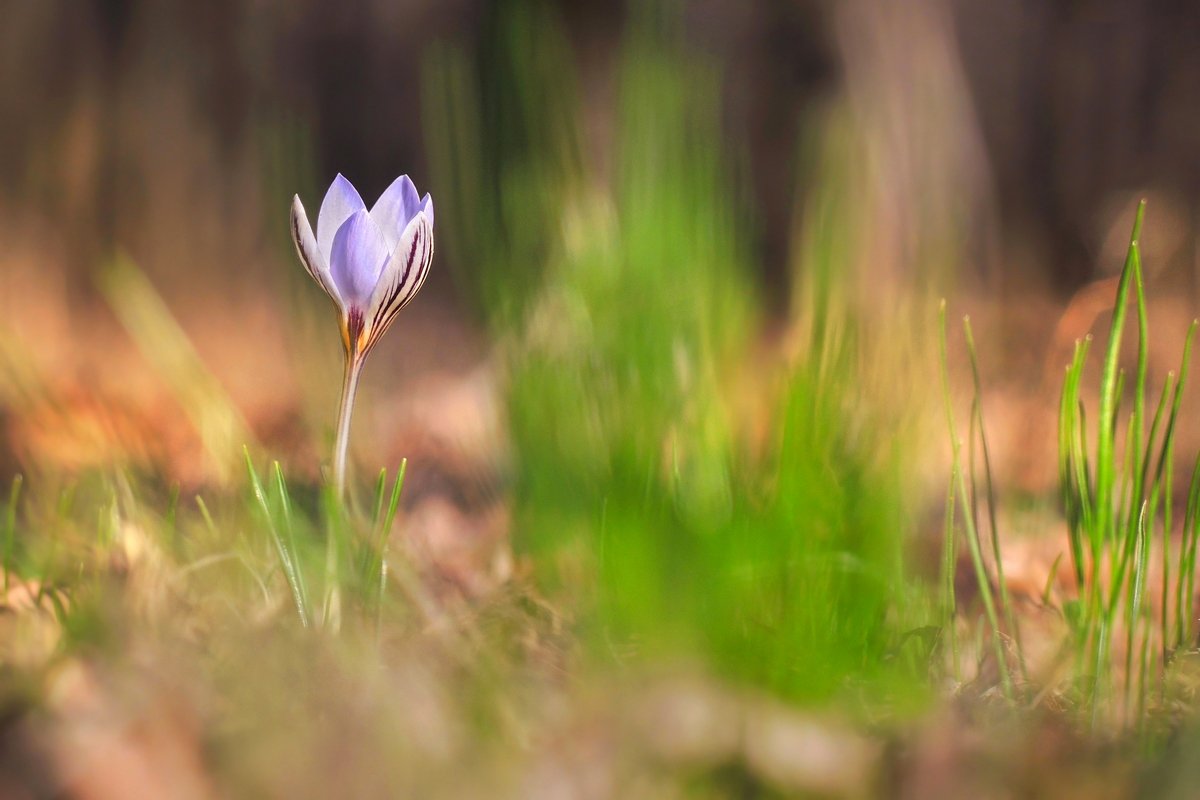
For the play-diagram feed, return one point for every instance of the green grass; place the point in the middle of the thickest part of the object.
(637, 498)
(355, 563)
(1118, 503)
(1117, 498)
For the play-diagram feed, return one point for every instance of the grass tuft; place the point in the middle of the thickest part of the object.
(1117, 500)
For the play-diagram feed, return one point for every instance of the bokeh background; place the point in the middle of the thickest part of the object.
(1030, 126)
(671, 393)
(975, 147)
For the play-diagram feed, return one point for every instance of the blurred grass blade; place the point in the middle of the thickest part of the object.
(394, 501)
(337, 546)
(291, 569)
(1051, 578)
(206, 515)
(380, 488)
(166, 346)
(285, 502)
(10, 529)
(949, 551)
(375, 569)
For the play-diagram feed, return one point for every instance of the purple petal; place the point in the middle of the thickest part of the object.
(340, 202)
(402, 276)
(395, 208)
(310, 256)
(358, 257)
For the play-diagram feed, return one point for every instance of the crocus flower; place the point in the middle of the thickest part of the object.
(370, 263)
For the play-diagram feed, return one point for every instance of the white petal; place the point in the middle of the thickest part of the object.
(427, 207)
(340, 202)
(310, 255)
(395, 208)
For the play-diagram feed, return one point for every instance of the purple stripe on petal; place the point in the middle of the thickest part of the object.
(310, 256)
(359, 257)
(341, 201)
(386, 301)
(354, 330)
(414, 282)
(414, 279)
(403, 276)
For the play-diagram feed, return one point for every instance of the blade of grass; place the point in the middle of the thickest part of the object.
(377, 550)
(1165, 466)
(10, 529)
(394, 501)
(1125, 552)
(1108, 397)
(1170, 388)
(1133, 488)
(990, 494)
(1137, 585)
(289, 532)
(337, 540)
(1076, 501)
(380, 487)
(1156, 493)
(381, 547)
(206, 516)
(1048, 588)
(1104, 530)
(949, 560)
(1187, 565)
(972, 534)
(286, 558)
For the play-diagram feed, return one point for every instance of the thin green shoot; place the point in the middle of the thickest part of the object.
(336, 525)
(949, 561)
(207, 516)
(285, 505)
(291, 568)
(380, 489)
(1051, 577)
(1104, 527)
(1145, 532)
(1134, 608)
(377, 563)
(1185, 586)
(958, 481)
(1010, 619)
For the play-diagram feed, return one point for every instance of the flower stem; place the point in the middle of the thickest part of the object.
(331, 615)
(342, 442)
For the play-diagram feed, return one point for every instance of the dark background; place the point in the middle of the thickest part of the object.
(143, 125)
